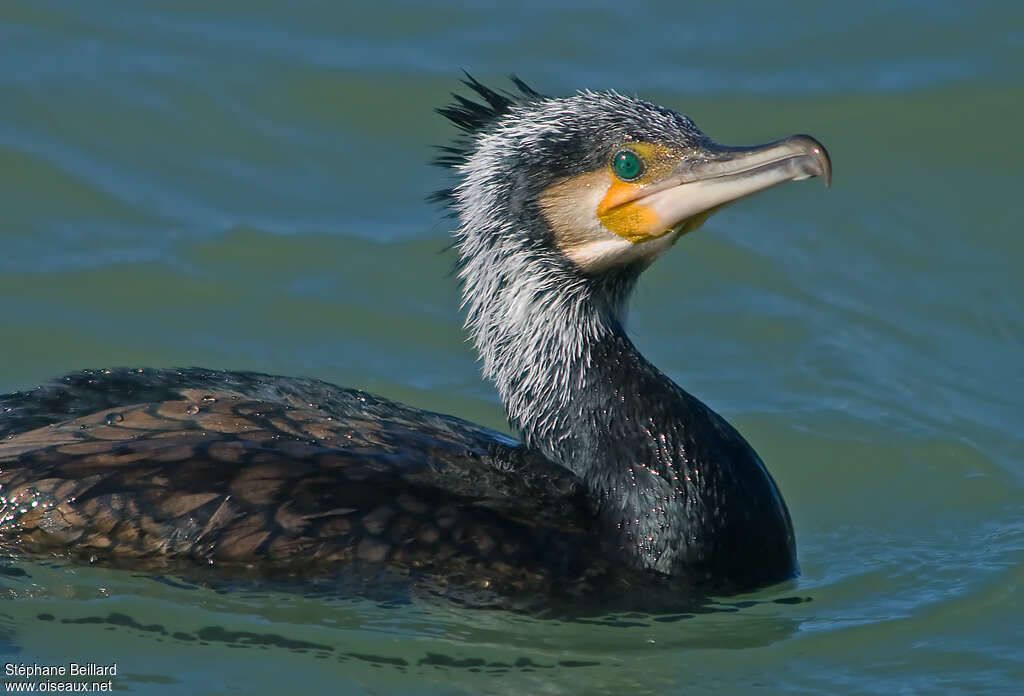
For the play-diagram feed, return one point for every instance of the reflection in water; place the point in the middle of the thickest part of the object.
(409, 636)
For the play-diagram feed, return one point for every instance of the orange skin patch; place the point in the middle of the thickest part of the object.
(599, 220)
(625, 216)
(622, 210)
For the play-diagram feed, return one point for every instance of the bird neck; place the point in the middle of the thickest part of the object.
(675, 488)
(535, 334)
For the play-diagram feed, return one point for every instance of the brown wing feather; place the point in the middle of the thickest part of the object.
(220, 478)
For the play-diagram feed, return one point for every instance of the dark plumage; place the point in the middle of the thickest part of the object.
(627, 490)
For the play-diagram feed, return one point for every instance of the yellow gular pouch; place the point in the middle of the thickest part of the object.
(622, 209)
(600, 219)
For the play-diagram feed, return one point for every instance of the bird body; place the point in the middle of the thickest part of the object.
(622, 481)
(158, 469)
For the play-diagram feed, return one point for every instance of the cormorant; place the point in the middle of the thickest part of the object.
(623, 483)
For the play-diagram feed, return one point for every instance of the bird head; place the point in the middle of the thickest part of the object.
(600, 179)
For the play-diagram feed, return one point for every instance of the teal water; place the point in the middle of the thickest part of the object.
(242, 186)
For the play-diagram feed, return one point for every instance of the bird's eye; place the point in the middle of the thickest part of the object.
(627, 165)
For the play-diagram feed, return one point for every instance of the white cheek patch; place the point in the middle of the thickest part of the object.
(599, 254)
(570, 208)
(602, 254)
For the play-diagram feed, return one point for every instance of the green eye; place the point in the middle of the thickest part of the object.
(627, 165)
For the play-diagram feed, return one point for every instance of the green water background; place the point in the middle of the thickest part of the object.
(242, 184)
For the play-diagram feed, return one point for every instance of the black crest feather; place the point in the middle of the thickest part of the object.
(470, 117)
